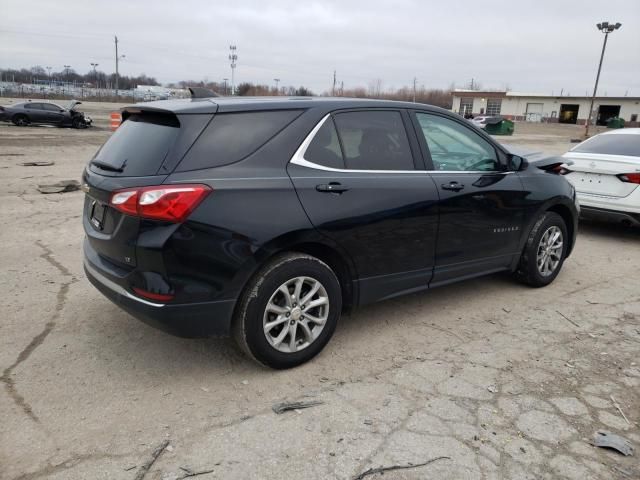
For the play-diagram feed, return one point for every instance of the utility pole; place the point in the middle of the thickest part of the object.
(606, 28)
(333, 89)
(342, 88)
(277, 80)
(225, 85)
(233, 57)
(115, 37)
(49, 70)
(414, 89)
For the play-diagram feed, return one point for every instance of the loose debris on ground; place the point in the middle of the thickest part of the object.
(188, 473)
(149, 463)
(280, 408)
(373, 471)
(33, 164)
(611, 440)
(62, 186)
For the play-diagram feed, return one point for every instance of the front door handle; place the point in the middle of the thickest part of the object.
(455, 186)
(332, 187)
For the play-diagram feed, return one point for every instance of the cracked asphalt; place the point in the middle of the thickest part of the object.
(502, 381)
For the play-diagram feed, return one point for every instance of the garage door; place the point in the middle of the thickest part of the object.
(534, 112)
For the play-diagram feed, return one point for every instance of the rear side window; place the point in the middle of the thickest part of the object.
(230, 137)
(374, 140)
(616, 144)
(325, 149)
(139, 146)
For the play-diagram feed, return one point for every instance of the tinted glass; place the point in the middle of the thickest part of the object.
(230, 137)
(33, 106)
(617, 144)
(374, 140)
(51, 107)
(325, 149)
(456, 147)
(140, 144)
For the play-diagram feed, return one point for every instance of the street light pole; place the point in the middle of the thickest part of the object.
(233, 57)
(66, 76)
(225, 85)
(95, 74)
(277, 80)
(606, 28)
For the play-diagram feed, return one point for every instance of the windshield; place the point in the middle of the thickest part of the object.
(616, 144)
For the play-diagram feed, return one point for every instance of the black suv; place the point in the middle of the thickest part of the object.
(267, 217)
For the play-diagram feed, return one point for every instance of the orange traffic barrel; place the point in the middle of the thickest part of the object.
(116, 120)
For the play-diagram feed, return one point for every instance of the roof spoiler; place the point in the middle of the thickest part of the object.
(199, 92)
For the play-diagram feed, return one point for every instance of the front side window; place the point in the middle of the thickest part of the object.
(33, 106)
(455, 147)
(374, 140)
(51, 107)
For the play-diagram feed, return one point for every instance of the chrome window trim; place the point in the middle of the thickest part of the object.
(298, 159)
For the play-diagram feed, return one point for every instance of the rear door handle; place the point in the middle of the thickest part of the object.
(332, 187)
(455, 186)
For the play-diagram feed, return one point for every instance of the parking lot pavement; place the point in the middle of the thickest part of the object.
(489, 378)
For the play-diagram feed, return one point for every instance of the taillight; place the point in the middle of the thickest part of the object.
(560, 169)
(630, 177)
(168, 203)
(161, 297)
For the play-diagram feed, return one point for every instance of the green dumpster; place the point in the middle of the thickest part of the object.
(498, 126)
(615, 122)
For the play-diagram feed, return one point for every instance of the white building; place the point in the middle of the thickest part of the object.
(534, 107)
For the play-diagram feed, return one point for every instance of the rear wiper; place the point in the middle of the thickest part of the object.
(106, 166)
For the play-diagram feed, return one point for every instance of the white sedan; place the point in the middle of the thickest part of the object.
(606, 175)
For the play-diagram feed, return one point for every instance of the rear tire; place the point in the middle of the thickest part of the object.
(20, 120)
(276, 328)
(544, 252)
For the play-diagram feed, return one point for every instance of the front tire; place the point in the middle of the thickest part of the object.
(544, 252)
(78, 123)
(288, 311)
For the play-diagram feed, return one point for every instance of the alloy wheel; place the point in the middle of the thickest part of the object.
(296, 314)
(549, 251)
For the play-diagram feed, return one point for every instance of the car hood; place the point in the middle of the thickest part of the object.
(73, 104)
(537, 158)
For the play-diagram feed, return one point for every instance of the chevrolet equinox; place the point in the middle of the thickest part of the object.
(266, 218)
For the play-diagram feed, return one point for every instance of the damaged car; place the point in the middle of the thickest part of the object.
(45, 113)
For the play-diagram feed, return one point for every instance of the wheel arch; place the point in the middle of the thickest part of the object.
(314, 245)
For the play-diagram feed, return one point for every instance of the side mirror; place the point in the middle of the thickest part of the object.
(517, 164)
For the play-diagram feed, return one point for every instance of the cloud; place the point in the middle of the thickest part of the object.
(538, 46)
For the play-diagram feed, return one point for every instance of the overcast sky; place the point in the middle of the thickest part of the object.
(527, 45)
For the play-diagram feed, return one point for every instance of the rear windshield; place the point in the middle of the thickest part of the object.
(230, 137)
(139, 146)
(616, 144)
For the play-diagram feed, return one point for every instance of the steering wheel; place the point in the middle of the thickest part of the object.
(481, 163)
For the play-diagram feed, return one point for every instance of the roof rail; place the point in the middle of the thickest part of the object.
(199, 92)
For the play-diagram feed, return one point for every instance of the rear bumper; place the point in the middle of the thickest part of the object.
(603, 214)
(191, 320)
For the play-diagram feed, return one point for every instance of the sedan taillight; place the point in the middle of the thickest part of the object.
(167, 203)
(630, 177)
